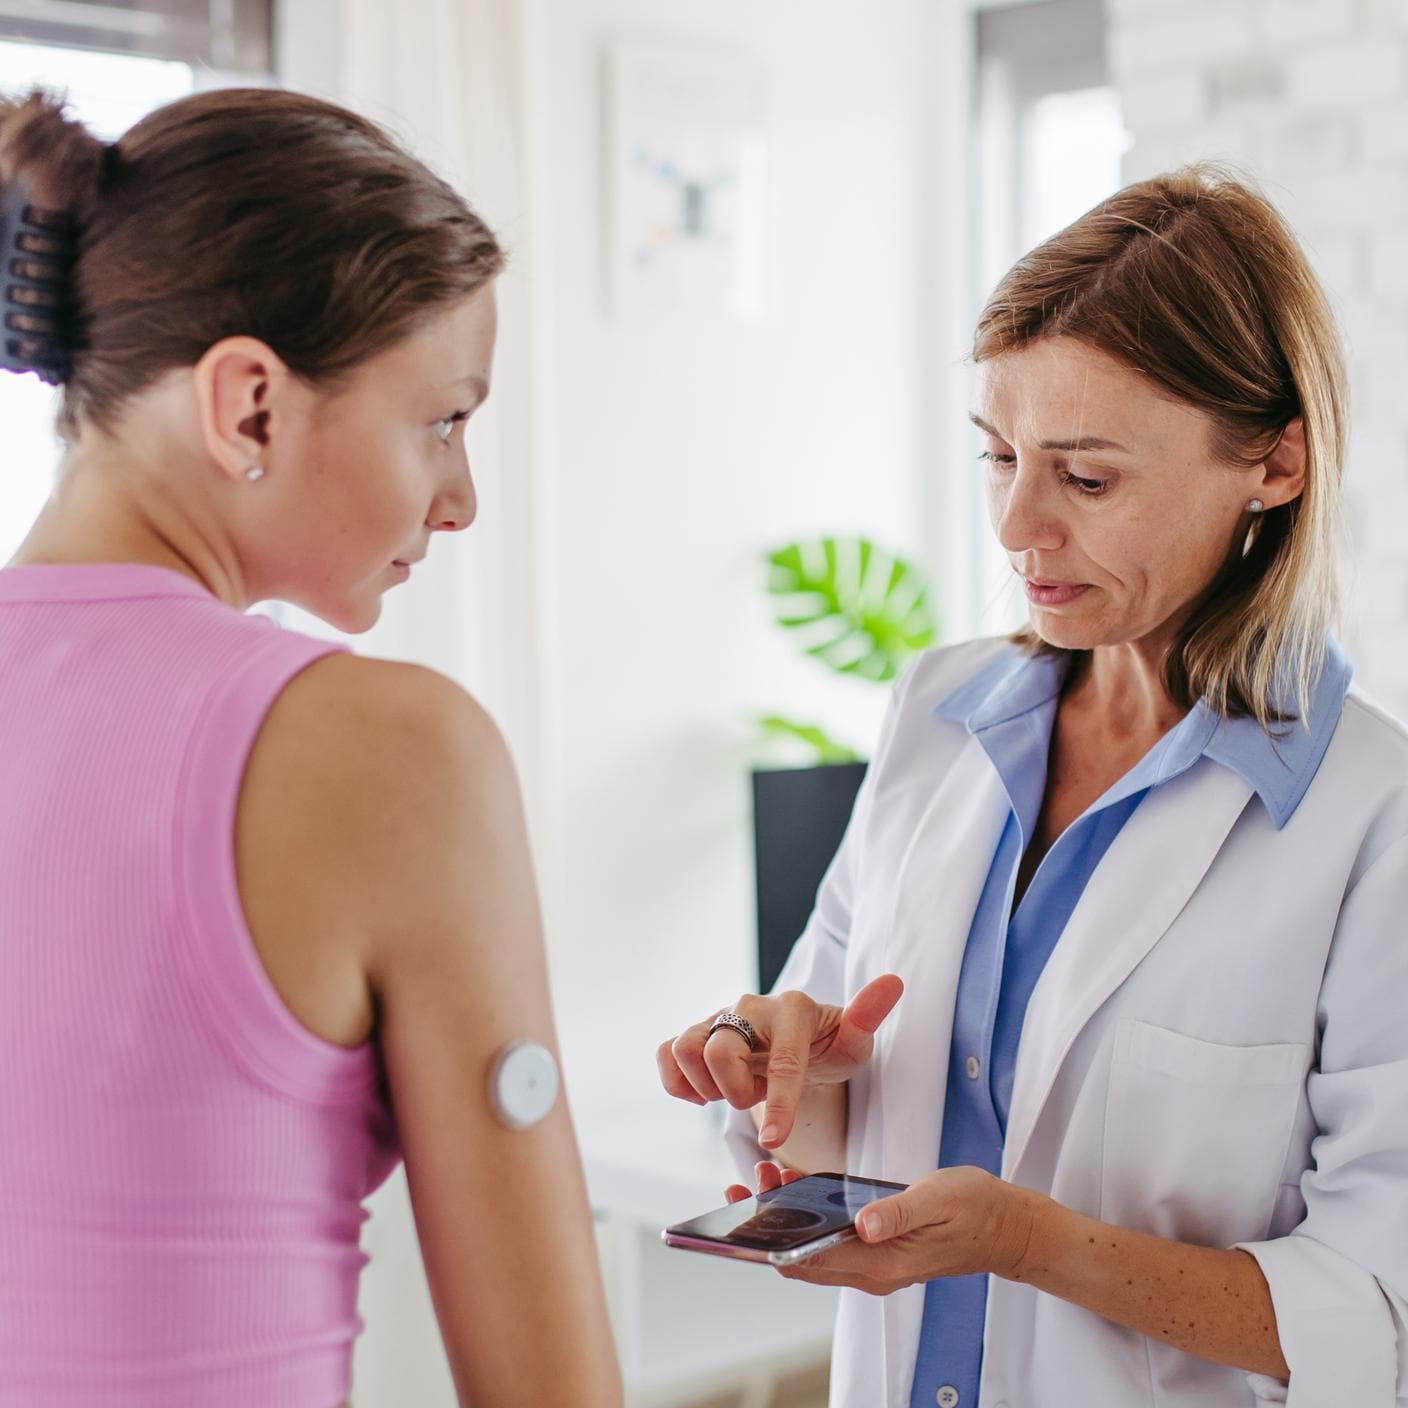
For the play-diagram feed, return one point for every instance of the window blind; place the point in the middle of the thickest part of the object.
(234, 36)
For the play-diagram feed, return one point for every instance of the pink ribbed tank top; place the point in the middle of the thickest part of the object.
(182, 1164)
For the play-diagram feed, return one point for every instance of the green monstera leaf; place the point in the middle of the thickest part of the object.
(855, 607)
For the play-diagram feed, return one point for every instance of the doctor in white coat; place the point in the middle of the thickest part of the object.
(1111, 967)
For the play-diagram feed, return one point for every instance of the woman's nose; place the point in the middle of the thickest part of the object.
(456, 507)
(1024, 516)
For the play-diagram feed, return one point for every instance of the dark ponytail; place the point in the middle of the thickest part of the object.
(237, 211)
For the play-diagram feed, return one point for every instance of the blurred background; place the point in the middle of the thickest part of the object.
(748, 242)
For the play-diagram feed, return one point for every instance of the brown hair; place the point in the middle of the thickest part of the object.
(240, 211)
(1197, 282)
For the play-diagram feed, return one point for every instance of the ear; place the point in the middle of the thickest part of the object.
(1283, 470)
(240, 384)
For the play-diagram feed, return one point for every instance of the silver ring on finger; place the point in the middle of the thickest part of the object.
(732, 1022)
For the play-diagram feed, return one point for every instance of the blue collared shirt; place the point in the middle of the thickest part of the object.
(1010, 708)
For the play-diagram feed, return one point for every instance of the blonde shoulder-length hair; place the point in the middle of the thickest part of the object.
(1196, 281)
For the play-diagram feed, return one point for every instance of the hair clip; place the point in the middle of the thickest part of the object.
(36, 265)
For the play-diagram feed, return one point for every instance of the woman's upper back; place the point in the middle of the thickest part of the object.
(184, 1162)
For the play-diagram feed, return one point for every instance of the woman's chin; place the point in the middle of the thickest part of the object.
(351, 618)
(1061, 633)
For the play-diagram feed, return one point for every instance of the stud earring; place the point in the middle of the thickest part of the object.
(1255, 506)
(255, 471)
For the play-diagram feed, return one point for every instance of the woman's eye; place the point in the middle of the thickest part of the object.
(1092, 488)
(445, 428)
(1088, 488)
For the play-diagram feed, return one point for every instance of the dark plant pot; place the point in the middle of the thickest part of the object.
(799, 817)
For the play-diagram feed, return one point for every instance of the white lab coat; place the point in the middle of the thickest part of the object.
(1217, 1051)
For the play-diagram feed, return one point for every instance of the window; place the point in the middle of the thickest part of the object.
(230, 36)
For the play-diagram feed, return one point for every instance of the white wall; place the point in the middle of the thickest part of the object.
(1311, 98)
(674, 455)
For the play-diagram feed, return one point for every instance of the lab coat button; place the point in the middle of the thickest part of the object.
(947, 1396)
(974, 1068)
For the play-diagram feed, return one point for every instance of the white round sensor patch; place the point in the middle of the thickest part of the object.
(522, 1084)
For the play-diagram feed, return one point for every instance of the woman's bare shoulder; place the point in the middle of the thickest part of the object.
(371, 784)
(385, 753)
(351, 702)
(363, 733)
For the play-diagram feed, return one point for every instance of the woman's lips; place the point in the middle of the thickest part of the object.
(1053, 593)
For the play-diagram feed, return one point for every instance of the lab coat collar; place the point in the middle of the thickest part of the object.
(1281, 765)
(1278, 766)
(1013, 684)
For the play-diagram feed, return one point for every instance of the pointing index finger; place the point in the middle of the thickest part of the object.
(789, 1048)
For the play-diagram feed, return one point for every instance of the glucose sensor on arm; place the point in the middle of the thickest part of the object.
(522, 1084)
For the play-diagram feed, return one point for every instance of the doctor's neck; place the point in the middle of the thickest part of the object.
(1125, 684)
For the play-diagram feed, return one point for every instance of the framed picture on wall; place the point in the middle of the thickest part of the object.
(687, 157)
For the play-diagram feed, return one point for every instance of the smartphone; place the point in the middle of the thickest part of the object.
(785, 1225)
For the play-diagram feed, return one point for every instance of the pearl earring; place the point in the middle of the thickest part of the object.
(1255, 506)
(255, 471)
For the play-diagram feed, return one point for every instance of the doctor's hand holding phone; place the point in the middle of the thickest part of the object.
(835, 1229)
(793, 1217)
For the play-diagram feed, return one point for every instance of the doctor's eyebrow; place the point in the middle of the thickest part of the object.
(1083, 442)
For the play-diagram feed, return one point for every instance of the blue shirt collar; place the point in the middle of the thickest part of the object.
(1278, 767)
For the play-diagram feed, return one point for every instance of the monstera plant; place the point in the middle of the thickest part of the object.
(855, 608)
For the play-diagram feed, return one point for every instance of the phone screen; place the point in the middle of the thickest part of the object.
(790, 1216)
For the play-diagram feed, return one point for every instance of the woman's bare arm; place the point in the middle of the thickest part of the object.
(401, 814)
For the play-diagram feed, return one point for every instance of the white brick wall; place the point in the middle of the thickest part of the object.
(1310, 99)
(1322, 76)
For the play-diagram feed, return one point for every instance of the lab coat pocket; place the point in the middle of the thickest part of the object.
(1196, 1134)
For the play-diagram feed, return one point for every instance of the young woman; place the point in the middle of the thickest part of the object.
(1141, 873)
(266, 910)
